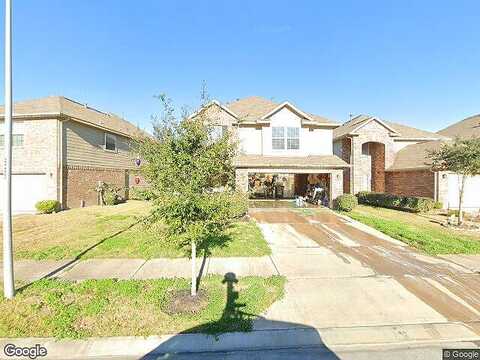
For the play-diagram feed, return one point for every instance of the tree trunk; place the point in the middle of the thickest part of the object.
(194, 272)
(460, 201)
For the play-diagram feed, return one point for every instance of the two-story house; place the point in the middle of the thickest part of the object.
(62, 149)
(280, 143)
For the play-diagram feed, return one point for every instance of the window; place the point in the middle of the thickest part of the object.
(278, 138)
(293, 138)
(219, 131)
(110, 142)
(366, 149)
(17, 140)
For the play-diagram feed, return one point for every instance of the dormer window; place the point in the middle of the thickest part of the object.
(285, 138)
(110, 142)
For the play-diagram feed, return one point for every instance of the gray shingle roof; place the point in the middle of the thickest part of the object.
(60, 106)
(252, 108)
(312, 161)
(465, 128)
(415, 156)
(403, 131)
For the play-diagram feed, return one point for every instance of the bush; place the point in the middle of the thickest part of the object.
(141, 194)
(346, 202)
(438, 205)
(405, 203)
(47, 206)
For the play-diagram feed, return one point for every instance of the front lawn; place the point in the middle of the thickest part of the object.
(114, 232)
(61, 309)
(417, 230)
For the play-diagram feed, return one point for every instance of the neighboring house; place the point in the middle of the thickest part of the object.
(280, 142)
(62, 149)
(375, 148)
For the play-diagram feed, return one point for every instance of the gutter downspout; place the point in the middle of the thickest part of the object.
(352, 177)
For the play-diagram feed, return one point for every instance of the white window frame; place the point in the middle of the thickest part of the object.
(297, 130)
(105, 142)
(282, 138)
(285, 138)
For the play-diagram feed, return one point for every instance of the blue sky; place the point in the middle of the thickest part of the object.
(416, 62)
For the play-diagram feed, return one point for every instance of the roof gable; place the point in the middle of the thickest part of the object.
(256, 109)
(399, 131)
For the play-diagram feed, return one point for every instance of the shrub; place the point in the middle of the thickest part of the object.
(346, 202)
(438, 205)
(406, 203)
(47, 206)
(108, 194)
(141, 194)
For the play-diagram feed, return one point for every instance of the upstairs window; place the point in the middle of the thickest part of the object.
(293, 138)
(17, 140)
(278, 138)
(110, 142)
(219, 131)
(285, 138)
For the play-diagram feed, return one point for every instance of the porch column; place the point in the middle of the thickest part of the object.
(336, 185)
(241, 180)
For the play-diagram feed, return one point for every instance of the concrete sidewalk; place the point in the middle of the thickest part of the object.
(166, 346)
(140, 269)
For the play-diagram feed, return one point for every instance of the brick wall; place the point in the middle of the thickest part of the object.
(413, 183)
(346, 156)
(80, 182)
(377, 153)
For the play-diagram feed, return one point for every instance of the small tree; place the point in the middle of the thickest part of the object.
(461, 156)
(185, 167)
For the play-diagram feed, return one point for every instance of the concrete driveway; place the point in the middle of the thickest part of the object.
(361, 286)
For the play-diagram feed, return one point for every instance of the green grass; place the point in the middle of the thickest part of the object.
(417, 231)
(61, 309)
(242, 239)
(115, 232)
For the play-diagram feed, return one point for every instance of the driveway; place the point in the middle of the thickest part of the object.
(355, 283)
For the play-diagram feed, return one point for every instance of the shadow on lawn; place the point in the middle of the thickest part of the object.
(79, 256)
(235, 329)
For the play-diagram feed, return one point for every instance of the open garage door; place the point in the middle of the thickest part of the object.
(27, 189)
(471, 197)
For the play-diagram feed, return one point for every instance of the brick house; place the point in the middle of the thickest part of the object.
(62, 149)
(393, 158)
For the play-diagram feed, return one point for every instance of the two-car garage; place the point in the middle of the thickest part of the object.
(27, 189)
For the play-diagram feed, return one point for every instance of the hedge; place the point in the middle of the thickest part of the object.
(405, 203)
(345, 202)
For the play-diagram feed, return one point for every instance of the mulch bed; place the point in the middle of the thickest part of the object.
(181, 302)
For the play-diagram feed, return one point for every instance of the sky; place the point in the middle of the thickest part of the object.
(414, 62)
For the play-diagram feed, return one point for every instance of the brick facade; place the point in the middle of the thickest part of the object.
(377, 153)
(413, 183)
(80, 182)
(346, 156)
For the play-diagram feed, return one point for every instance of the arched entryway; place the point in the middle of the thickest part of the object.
(373, 154)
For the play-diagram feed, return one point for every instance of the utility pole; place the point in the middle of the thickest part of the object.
(8, 280)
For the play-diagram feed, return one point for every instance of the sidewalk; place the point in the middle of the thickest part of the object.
(140, 269)
(330, 339)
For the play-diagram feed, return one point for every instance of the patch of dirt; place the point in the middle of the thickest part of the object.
(181, 302)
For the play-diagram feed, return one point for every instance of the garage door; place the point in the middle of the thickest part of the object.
(26, 191)
(471, 197)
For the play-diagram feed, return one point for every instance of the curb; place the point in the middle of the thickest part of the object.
(269, 339)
